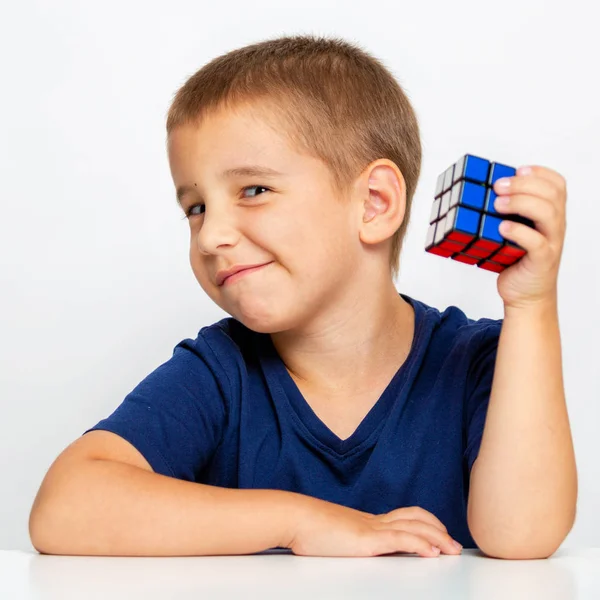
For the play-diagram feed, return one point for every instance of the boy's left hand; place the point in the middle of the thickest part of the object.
(539, 194)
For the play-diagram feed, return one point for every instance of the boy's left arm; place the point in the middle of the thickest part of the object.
(523, 490)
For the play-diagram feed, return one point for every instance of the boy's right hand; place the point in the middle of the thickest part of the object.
(327, 529)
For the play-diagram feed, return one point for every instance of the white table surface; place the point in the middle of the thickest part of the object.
(566, 575)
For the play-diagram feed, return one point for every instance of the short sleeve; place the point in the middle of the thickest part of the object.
(175, 416)
(479, 387)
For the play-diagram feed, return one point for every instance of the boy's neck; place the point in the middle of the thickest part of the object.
(361, 354)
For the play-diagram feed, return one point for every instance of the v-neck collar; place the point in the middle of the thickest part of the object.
(285, 387)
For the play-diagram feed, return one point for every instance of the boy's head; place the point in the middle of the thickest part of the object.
(337, 126)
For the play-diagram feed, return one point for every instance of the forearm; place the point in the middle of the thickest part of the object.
(116, 509)
(523, 491)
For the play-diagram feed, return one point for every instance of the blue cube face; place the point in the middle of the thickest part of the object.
(490, 198)
(472, 168)
(490, 229)
(464, 224)
(467, 193)
(498, 170)
(464, 220)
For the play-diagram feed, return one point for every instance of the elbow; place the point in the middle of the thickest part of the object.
(519, 537)
(517, 551)
(42, 532)
(36, 532)
(35, 535)
(512, 546)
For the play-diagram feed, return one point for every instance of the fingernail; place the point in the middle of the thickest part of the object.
(503, 183)
(501, 201)
(524, 170)
(457, 545)
(435, 549)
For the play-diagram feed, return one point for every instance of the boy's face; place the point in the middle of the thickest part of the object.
(296, 224)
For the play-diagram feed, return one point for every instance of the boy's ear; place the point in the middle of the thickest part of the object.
(385, 202)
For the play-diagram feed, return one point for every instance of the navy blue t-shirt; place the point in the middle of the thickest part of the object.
(224, 411)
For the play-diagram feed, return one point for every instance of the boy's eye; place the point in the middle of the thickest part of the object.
(189, 212)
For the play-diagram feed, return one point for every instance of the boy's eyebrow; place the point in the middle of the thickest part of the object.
(247, 170)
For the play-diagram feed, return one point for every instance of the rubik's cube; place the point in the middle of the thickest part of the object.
(464, 223)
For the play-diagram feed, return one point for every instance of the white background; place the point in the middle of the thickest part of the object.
(96, 287)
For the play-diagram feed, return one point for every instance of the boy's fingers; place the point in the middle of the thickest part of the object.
(432, 534)
(391, 541)
(550, 174)
(412, 512)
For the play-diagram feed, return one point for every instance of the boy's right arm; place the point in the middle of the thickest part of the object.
(101, 497)
(91, 506)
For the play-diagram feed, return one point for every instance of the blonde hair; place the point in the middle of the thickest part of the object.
(332, 100)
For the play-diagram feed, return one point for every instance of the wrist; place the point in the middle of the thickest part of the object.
(548, 307)
(296, 508)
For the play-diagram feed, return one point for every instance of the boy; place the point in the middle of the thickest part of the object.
(331, 414)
